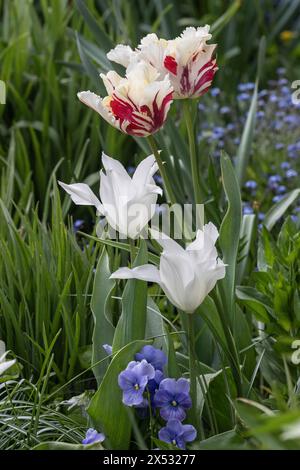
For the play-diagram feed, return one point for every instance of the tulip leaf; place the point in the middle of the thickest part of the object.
(278, 210)
(103, 40)
(106, 408)
(247, 136)
(230, 232)
(89, 67)
(132, 322)
(247, 235)
(103, 328)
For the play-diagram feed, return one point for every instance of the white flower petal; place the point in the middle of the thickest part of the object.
(146, 272)
(82, 195)
(4, 366)
(122, 55)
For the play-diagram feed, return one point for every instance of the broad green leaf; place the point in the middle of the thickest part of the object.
(106, 408)
(230, 233)
(103, 328)
(132, 322)
(247, 236)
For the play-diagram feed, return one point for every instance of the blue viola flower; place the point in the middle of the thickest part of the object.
(153, 384)
(294, 218)
(92, 437)
(273, 181)
(281, 189)
(154, 356)
(133, 381)
(177, 433)
(173, 398)
(77, 225)
(279, 146)
(107, 348)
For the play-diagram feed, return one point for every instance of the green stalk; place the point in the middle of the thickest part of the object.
(193, 158)
(170, 194)
(193, 370)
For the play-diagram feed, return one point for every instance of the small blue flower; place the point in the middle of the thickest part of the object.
(154, 356)
(251, 184)
(247, 209)
(261, 216)
(291, 173)
(273, 181)
(260, 114)
(177, 434)
(281, 189)
(294, 218)
(215, 91)
(246, 86)
(77, 225)
(107, 348)
(281, 71)
(133, 381)
(285, 165)
(92, 437)
(279, 146)
(225, 110)
(277, 198)
(243, 97)
(173, 398)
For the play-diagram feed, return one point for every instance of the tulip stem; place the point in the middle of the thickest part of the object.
(193, 369)
(170, 194)
(194, 163)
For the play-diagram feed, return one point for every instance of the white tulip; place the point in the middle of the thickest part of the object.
(185, 275)
(4, 365)
(127, 203)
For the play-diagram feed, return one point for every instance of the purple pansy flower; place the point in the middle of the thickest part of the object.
(154, 356)
(133, 381)
(173, 398)
(177, 433)
(92, 437)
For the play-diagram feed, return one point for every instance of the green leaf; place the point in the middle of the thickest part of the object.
(103, 327)
(106, 408)
(247, 236)
(247, 136)
(132, 322)
(100, 35)
(230, 232)
(278, 210)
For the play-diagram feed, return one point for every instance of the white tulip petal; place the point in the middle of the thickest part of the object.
(111, 164)
(167, 243)
(82, 195)
(121, 54)
(4, 366)
(146, 272)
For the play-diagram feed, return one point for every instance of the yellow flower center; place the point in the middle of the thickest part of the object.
(136, 387)
(174, 403)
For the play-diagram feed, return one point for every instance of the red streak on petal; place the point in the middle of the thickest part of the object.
(185, 84)
(170, 64)
(206, 77)
(121, 109)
